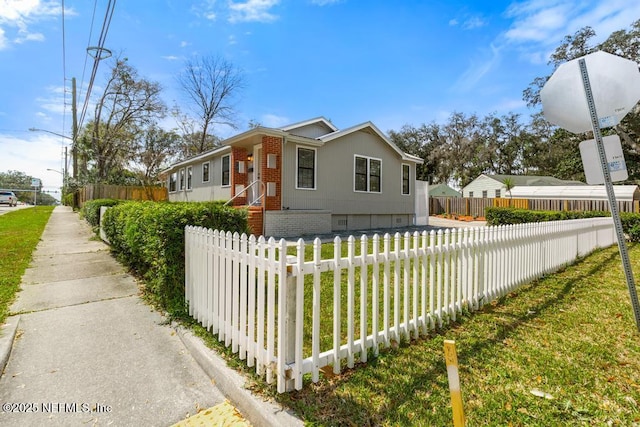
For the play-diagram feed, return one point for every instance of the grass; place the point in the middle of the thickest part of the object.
(20, 232)
(571, 335)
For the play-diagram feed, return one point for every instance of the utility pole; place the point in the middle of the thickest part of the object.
(74, 137)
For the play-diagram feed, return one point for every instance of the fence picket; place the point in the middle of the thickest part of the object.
(364, 280)
(315, 345)
(243, 289)
(337, 279)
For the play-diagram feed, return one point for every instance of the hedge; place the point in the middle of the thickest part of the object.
(91, 209)
(149, 237)
(502, 216)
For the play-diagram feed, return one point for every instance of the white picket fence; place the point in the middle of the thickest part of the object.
(289, 315)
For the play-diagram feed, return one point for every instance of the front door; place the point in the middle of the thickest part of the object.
(255, 174)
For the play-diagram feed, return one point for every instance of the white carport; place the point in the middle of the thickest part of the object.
(624, 193)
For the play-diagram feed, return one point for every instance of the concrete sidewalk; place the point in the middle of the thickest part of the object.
(89, 351)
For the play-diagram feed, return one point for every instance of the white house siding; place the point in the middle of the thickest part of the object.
(335, 178)
(335, 184)
(483, 183)
(202, 191)
(314, 130)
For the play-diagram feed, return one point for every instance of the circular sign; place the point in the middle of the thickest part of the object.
(615, 84)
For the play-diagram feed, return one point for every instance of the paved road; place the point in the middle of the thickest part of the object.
(6, 208)
(88, 351)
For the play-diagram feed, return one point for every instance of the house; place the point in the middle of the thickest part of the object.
(307, 178)
(443, 190)
(493, 186)
(623, 193)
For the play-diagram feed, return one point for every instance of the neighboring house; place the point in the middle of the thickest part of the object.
(308, 177)
(443, 190)
(623, 193)
(493, 186)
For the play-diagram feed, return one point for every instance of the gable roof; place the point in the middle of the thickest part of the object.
(533, 180)
(443, 190)
(288, 133)
(318, 120)
(371, 128)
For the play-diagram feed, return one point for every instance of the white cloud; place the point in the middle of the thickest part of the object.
(274, 121)
(232, 40)
(325, 2)
(3, 40)
(473, 22)
(538, 25)
(30, 37)
(19, 15)
(478, 70)
(468, 22)
(34, 155)
(184, 44)
(252, 11)
(170, 58)
(544, 23)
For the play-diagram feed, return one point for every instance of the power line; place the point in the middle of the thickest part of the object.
(93, 17)
(99, 49)
(64, 83)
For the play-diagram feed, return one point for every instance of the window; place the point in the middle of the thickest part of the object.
(470, 193)
(173, 178)
(181, 180)
(367, 174)
(405, 179)
(484, 194)
(306, 162)
(226, 168)
(205, 172)
(498, 193)
(189, 177)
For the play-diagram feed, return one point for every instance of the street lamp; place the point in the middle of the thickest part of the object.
(48, 131)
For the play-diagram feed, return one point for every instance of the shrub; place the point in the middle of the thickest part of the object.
(502, 216)
(91, 210)
(149, 237)
(631, 225)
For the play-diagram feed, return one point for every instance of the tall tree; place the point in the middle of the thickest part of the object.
(416, 141)
(212, 84)
(128, 104)
(156, 148)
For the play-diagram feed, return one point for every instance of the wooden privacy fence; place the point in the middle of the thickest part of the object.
(293, 314)
(474, 206)
(122, 192)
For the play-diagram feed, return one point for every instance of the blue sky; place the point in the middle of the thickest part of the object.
(391, 62)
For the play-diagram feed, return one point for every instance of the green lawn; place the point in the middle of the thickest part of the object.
(570, 335)
(20, 232)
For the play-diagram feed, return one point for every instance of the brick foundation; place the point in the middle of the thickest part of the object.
(256, 219)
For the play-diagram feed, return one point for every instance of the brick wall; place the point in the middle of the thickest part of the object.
(255, 220)
(237, 178)
(272, 145)
(297, 223)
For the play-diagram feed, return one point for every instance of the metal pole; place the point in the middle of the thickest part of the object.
(622, 246)
(74, 137)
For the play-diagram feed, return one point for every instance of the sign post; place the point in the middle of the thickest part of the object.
(615, 91)
(613, 205)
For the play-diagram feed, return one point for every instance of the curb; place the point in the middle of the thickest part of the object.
(257, 411)
(8, 331)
